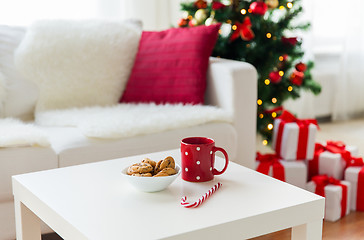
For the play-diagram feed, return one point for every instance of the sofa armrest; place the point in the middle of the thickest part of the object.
(232, 85)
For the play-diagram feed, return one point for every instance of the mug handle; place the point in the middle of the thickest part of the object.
(215, 171)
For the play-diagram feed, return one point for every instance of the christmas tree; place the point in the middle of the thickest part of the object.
(262, 33)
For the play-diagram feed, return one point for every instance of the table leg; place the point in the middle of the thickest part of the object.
(308, 231)
(27, 223)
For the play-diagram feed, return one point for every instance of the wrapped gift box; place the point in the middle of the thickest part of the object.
(326, 161)
(294, 173)
(337, 202)
(355, 175)
(294, 139)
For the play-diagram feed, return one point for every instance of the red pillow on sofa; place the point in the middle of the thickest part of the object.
(171, 66)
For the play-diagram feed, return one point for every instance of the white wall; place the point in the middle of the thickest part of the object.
(155, 14)
(24, 12)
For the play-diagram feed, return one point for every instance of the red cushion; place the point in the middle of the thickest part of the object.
(171, 66)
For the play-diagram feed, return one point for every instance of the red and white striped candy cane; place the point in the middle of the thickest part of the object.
(201, 199)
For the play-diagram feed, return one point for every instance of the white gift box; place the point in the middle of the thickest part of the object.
(332, 164)
(289, 142)
(295, 172)
(333, 197)
(351, 175)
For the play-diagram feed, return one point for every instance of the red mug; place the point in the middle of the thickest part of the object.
(198, 159)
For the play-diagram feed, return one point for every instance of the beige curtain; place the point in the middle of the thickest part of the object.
(336, 42)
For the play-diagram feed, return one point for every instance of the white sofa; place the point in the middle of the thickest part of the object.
(231, 86)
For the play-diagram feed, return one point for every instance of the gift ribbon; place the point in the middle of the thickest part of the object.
(322, 181)
(268, 160)
(358, 162)
(303, 125)
(313, 165)
(277, 109)
(360, 191)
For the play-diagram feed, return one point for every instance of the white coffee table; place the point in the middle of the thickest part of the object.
(93, 201)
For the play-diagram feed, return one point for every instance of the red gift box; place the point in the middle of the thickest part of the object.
(336, 193)
(292, 172)
(294, 139)
(331, 159)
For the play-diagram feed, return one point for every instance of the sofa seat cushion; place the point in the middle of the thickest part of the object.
(74, 148)
(19, 160)
(128, 120)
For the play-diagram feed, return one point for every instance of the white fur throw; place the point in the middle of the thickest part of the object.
(78, 63)
(127, 120)
(15, 133)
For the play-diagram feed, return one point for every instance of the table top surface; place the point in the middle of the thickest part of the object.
(98, 203)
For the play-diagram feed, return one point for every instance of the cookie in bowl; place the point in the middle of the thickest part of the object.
(152, 176)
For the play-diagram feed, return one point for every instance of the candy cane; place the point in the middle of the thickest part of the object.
(202, 199)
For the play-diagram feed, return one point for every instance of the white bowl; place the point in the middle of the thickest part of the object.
(151, 184)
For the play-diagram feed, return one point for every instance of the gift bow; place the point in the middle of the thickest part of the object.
(322, 181)
(268, 157)
(339, 147)
(355, 162)
(333, 147)
(244, 30)
(277, 109)
(287, 117)
(268, 160)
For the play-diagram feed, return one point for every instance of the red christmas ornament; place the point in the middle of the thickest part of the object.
(292, 41)
(183, 22)
(275, 77)
(192, 23)
(258, 8)
(243, 30)
(200, 4)
(297, 77)
(301, 67)
(217, 5)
